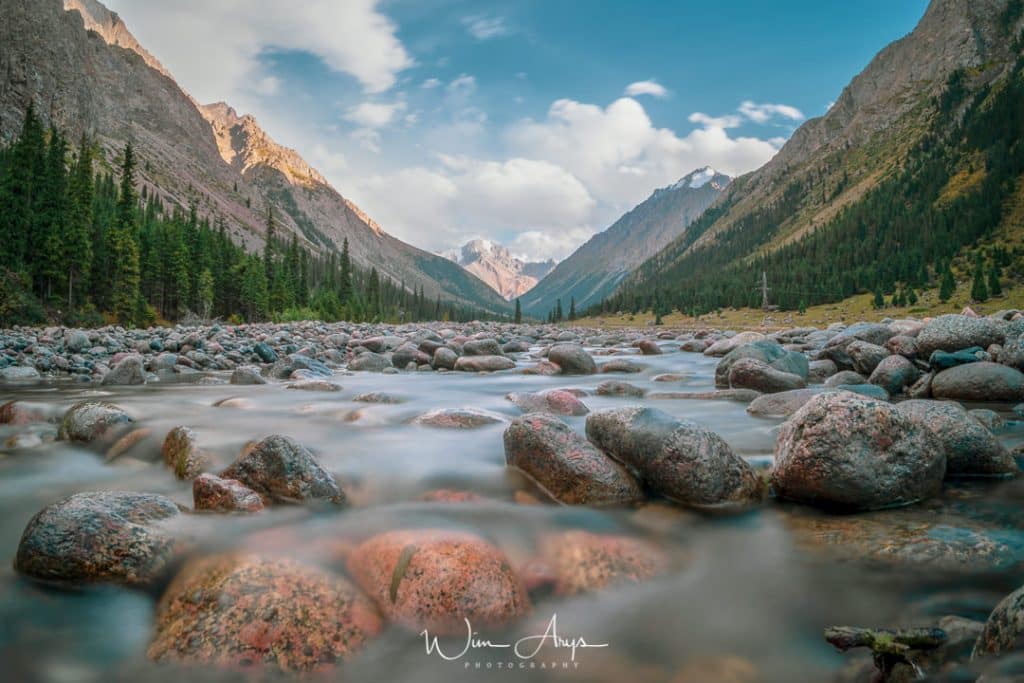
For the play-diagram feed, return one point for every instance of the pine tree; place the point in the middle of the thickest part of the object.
(51, 217)
(345, 287)
(879, 301)
(572, 308)
(77, 243)
(519, 313)
(559, 316)
(204, 297)
(268, 246)
(124, 249)
(979, 291)
(947, 286)
(994, 287)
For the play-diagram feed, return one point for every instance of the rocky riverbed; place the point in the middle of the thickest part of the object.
(307, 500)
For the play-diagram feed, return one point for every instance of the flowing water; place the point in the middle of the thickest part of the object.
(747, 598)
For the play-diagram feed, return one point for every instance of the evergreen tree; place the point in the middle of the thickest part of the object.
(345, 286)
(994, 286)
(124, 249)
(979, 291)
(77, 243)
(559, 316)
(268, 246)
(205, 295)
(572, 308)
(879, 301)
(519, 313)
(948, 286)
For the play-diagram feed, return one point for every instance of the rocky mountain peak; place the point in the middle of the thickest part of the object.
(495, 265)
(109, 26)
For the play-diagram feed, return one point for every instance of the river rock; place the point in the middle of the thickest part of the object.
(724, 346)
(76, 341)
(869, 390)
(767, 352)
(244, 612)
(565, 464)
(841, 450)
(649, 347)
(484, 363)
(99, 537)
(1004, 628)
(615, 388)
(750, 373)
(678, 459)
(903, 346)
(131, 370)
(955, 332)
(444, 358)
(585, 562)
(866, 356)
(282, 470)
(782, 404)
(210, 492)
(435, 579)
(982, 381)
(894, 373)
(846, 377)
(321, 385)
(182, 454)
(17, 373)
(820, 370)
(943, 360)
(572, 359)
(247, 374)
(459, 418)
(265, 352)
(482, 347)
(370, 362)
(88, 421)
(624, 365)
(554, 401)
(21, 413)
(971, 449)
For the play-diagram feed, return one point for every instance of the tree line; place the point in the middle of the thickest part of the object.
(83, 247)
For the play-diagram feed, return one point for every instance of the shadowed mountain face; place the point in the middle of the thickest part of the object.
(826, 216)
(494, 264)
(84, 71)
(593, 270)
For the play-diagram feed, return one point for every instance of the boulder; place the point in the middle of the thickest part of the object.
(982, 381)
(971, 449)
(845, 451)
(282, 470)
(724, 346)
(615, 388)
(434, 580)
(369, 361)
(482, 347)
(678, 459)
(782, 404)
(131, 370)
(750, 373)
(943, 360)
(846, 377)
(649, 347)
(247, 375)
(242, 612)
(458, 418)
(955, 332)
(572, 359)
(99, 537)
(210, 492)
(821, 370)
(554, 401)
(444, 358)
(866, 356)
(484, 363)
(88, 421)
(767, 352)
(623, 365)
(894, 373)
(564, 464)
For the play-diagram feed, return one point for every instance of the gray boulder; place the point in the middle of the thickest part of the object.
(971, 449)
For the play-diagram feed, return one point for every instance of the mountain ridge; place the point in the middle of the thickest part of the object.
(495, 265)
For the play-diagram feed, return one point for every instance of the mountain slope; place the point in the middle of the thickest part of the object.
(494, 264)
(593, 270)
(825, 217)
(85, 72)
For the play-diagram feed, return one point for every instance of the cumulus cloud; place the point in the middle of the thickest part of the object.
(762, 113)
(706, 121)
(430, 83)
(652, 88)
(225, 39)
(374, 114)
(268, 86)
(485, 28)
(464, 84)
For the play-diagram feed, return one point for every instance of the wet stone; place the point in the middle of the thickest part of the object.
(282, 470)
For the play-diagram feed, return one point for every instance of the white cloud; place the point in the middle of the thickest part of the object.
(705, 121)
(485, 28)
(430, 83)
(464, 84)
(225, 39)
(368, 139)
(374, 114)
(268, 86)
(651, 88)
(762, 113)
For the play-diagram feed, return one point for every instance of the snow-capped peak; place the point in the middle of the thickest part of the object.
(702, 177)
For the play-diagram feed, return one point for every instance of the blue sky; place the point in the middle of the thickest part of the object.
(531, 123)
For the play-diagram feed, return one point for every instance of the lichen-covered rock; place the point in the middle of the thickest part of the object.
(434, 579)
(767, 352)
(246, 612)
(458, 418)
(554, 401)
(572, 359)
(842, 450)
(565, 464)
(88, 421)
(981, 381)
(182, 454)
(894, 373)
(955, 332)
(971, 449)
(782, 404)
(210, 492)
(1004, 628)
(99, 537)
(131, 370)
(484, 363)
(282, 470)
(678, 459)
(750, 373)
(866, 356)
(584, 562)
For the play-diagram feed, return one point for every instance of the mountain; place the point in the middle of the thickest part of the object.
(83, 70)
(494, 264)
(917, 162)
(593, 270)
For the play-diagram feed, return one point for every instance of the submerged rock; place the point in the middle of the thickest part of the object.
(554, 401)
(210, 492)
(846, 451)
(284, 471)
(458, 418)
(88, 421)
(572, 359)
(182, 454)
(584, 562)
(616, 388)
(245, 611)
(676, 458)
(484, 363)
(434, 579)
(99, 537)
(565, 464)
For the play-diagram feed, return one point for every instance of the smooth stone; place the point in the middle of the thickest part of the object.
(583, 562)
(623, 365)
(265, 352)
(953, 332)
(214, 494)
(971, 449)
(845, 377)
(767, 352)
(444, 358)
(751, 373)
(99, 537)
(370, 362)
(866, 356)
(282, 470)
(869, 390)
(723, 346)
(554, 401)
(782, 404)
(943, 360)
(130, 371)
(649, 347)
(981, 381)
(615, 388)
(894, 373)
(18, 373)
(458, 418)
(675, 458)
(88, 421)
(820, 370)
(482, 347)
(484, 363)
(572, 359)
(845, 451)
(246, 375)
(565, 464)
(314, 385)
